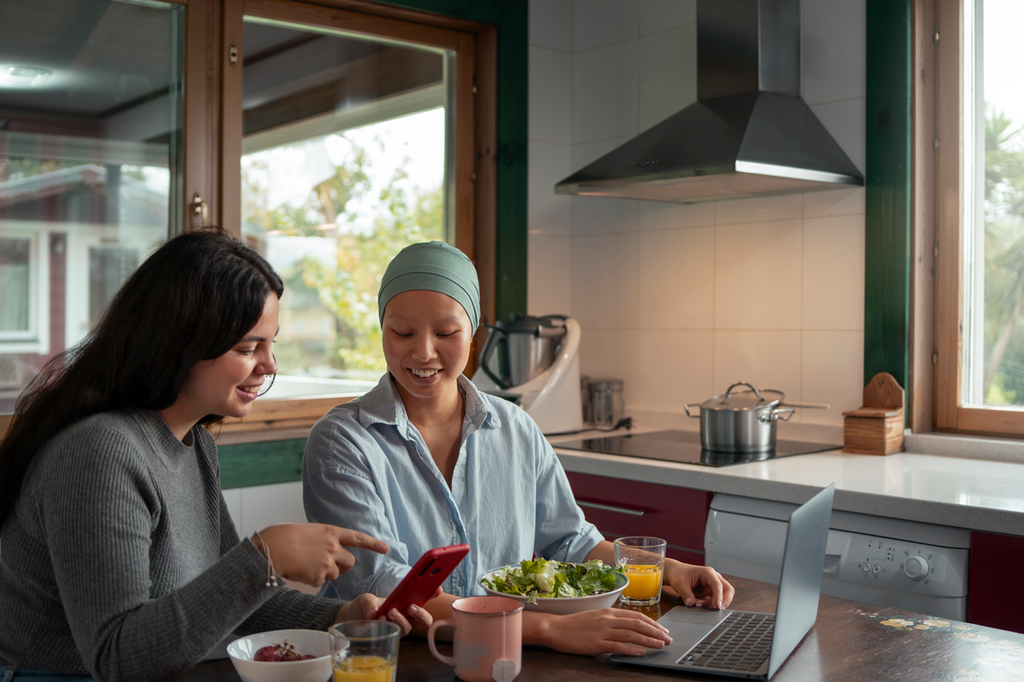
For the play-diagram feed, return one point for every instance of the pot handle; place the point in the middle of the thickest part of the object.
(743, 383)
(818, 406)
(690, 414)
(776, 415)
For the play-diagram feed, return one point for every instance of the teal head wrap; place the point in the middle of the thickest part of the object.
(432, 266)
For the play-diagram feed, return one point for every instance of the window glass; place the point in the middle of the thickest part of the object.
(344, 163)
(90, 163)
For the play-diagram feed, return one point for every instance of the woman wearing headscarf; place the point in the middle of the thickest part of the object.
(424, 459)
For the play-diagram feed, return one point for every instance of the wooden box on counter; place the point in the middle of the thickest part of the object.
(877, 427)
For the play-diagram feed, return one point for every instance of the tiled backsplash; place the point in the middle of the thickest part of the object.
(679, 301)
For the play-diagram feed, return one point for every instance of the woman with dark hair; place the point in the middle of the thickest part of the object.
(119, 559)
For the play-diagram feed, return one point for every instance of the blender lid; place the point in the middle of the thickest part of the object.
(531, 325)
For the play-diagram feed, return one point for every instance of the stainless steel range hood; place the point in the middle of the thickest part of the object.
(749, 132)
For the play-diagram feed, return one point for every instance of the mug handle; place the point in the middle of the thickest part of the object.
(449, 660)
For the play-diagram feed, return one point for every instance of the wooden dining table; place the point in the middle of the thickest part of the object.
(850, 641)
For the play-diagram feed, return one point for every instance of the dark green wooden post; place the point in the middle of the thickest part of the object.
(887, 196)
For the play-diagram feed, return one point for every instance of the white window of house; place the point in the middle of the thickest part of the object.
(23, 299)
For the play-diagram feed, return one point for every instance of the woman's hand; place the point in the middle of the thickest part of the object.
(312, 553)
(699, 585)
(616, 631)
(365, 606)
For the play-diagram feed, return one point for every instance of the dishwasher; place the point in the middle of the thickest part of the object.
(901, 564)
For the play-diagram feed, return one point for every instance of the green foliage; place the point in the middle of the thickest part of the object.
(347, 288)
(1004, 256)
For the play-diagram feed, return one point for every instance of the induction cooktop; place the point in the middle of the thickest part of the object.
(685, 447)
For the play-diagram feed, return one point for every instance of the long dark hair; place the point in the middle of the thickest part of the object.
(192, 300)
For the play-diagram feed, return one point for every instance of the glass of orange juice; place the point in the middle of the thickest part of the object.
(364, 650)
(642, 559)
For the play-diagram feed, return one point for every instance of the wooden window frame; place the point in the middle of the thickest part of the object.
(212, 145)
(475, 181)
(939, 198)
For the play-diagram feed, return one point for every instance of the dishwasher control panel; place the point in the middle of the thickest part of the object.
(890, 562)
(896, 564)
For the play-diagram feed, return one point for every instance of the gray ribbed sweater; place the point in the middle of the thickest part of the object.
(120, 559)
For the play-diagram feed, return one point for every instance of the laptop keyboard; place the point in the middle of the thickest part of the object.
(741, 643)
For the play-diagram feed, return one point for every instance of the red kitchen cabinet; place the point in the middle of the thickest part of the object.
(619, 507)
(995, 595)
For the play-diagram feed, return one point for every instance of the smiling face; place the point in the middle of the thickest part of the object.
(227, 385)
(427, 341)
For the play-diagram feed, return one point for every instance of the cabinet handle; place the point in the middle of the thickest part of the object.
(608, 507)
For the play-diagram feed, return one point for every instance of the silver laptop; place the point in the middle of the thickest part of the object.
(753, 645)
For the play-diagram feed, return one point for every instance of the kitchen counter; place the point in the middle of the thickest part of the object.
(963, 491)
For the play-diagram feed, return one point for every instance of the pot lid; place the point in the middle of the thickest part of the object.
(749, 398)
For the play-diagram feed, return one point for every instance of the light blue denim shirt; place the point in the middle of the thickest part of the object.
(366, 467)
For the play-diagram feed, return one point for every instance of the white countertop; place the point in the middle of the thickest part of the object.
(962, 491)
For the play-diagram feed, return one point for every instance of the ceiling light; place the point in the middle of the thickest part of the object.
(26, 75)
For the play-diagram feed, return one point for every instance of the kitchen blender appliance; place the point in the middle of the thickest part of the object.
(534, 362)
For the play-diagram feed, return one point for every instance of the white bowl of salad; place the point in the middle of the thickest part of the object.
(556, 587)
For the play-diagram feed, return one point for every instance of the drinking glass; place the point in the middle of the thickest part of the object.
(642, 558)
(364, 650)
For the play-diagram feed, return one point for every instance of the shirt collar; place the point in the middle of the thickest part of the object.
(383, 405)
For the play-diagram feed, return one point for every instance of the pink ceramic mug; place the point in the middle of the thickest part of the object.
(488, 639)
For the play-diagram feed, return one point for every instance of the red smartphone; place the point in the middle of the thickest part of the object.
(426, 575)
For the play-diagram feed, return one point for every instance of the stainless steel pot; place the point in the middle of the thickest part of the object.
(744, 421)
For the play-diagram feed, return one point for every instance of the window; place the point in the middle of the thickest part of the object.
(90, 135)
(344, 155)
(125, 121)
(979, 200)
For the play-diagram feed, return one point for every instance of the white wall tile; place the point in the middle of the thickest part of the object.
(551, 24)
(549, 275)
(668, 73)
(834, 64)
(833, 279)
(757, 275)
(661, 215)
(765, 359)
(675, 368)
(548, 213)
(844, 201)
(602, 215)
(612, 353)
(846, 121)
(266, 505)
(757, 209)
(550, 93)
(601, 22)
(833, 373)
(605, 92)
(604, 281)
(658, 15)
(782, 279)
(677, 278)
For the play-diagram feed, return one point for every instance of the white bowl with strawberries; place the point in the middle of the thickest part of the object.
(293, 655)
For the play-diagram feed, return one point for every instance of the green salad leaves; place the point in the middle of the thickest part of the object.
(546, 579)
